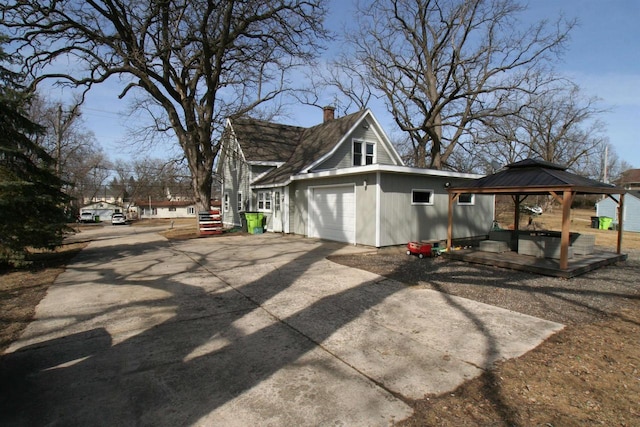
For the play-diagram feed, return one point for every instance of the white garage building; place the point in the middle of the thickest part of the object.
(341, 180)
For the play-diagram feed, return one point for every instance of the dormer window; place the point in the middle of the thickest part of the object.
(363, 153)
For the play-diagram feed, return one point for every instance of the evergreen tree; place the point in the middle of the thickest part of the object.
(32, 205)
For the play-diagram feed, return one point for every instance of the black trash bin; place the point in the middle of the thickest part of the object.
(595, 222)
(243, 221)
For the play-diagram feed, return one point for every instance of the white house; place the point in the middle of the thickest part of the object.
(341, 180)
(102, 209)
(166, 209)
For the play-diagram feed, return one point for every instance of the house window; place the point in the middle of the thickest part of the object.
(264, 200)
(226, 202)
(239, 202)
(191, 210)
(466, 199)
(363, 153)
(422, 197)
(172, 208)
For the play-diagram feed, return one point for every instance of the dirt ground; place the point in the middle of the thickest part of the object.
(22, 289)
(586, 374)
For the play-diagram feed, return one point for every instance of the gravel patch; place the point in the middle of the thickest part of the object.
(584, 299)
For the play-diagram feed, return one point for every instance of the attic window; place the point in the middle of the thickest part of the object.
(363, 153)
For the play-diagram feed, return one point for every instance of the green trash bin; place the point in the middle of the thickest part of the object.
(252, 220)
(259, 225)
(605, 222)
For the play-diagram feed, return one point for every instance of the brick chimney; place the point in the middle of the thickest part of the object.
(328, 113)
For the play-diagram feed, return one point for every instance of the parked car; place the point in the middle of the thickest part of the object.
(118, 218)
(86, 217)
(531, 210)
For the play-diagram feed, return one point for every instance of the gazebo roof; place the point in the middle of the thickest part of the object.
(534, 176)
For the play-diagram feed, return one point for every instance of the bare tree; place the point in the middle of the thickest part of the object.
(79, 161)
(61, 123)
(342, 81)
(191, 63)
(444, 65)
(560, 125)
(146, 178)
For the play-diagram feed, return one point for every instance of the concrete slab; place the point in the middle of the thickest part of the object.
(243, 330)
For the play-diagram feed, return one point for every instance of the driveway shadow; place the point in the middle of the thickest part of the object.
(183, 343)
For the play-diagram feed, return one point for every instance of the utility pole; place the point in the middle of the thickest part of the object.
(606, 164)
(62, 125)
(59, 141)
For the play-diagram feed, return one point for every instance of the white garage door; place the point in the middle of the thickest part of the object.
(332, 213)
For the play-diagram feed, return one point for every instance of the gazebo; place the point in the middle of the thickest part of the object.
(537, 177)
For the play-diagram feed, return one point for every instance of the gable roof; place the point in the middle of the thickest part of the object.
(631, 176)
(534, 176)
(294, 148)
(263, 141)
(315, 143)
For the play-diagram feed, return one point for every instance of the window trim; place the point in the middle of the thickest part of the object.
(264, 198)
(470, 202)
(432, 195)
(191, 210)
(362, 154)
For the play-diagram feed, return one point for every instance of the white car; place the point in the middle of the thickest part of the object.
(531, 210)
(118, 218)
(86, 217)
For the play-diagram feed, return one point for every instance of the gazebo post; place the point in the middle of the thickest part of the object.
(452, 197)
(516, 216)
(566, 229)
(620, 223)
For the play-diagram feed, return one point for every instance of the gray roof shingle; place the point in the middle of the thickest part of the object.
(263, 141)
(295, 146)
(534, 174)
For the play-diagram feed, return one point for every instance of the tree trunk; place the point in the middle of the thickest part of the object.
(200, 156)
(421, 155)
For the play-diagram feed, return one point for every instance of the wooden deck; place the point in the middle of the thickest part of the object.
(578, 265)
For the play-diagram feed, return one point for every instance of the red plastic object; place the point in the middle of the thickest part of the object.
(419, 248)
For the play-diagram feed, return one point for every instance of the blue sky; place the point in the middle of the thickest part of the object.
(603, 57)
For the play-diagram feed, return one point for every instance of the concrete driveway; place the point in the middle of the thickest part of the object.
(243, 330)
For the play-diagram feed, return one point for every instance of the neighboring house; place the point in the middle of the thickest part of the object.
(102, 209)
(166, 209)
(341, 180)
(631, 211)
(105, 195)
(630, 179)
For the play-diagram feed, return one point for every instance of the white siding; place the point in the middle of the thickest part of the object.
(631, 218)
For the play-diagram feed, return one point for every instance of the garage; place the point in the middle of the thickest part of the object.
(332, 213)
